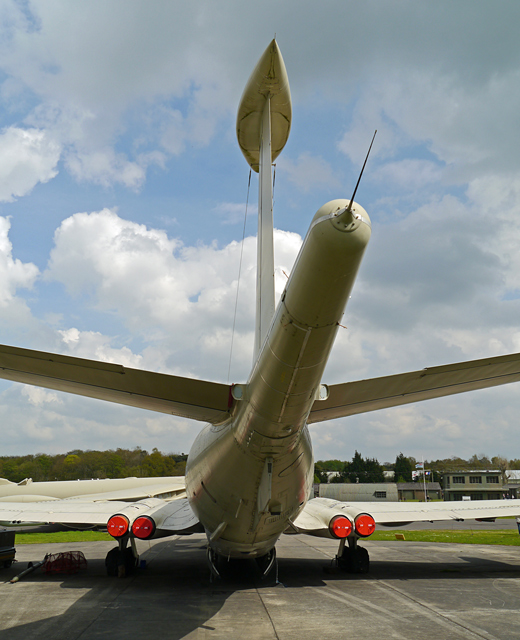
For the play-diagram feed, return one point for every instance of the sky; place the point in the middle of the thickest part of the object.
(125, 207)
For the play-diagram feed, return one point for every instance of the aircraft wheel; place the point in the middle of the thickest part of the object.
(120, 563)
(354, 560)
(112, 561)
(362, 561)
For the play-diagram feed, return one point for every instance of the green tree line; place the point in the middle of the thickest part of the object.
(84, 465)
(361, 469)
(122, 463)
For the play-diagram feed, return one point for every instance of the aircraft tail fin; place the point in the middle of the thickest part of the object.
(265, 239)
(263, 125)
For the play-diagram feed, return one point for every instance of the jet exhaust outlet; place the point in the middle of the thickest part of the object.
(340, 527)
(118, 526)
(143, 527)
(365, 525)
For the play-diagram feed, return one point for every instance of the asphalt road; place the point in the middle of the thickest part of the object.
(438, 591)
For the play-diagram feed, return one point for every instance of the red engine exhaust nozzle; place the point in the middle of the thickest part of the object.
(365, 525)
(340, 527)
(118, 525)
(143, 527)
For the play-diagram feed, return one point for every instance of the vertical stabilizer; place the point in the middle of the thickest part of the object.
(265, 244)
(263, 125)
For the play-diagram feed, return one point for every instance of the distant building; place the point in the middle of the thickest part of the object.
(484, 484)
(360, 492)
(379, 491)
(416, 490)
(512, 486)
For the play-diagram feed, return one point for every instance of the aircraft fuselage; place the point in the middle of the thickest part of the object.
(250, 476)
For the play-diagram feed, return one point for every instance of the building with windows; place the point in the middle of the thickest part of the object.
(416, 491)
(512, 484)
(482, 484)
(359, 492)
(377, 492)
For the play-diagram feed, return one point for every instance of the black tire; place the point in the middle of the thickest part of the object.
(354, 560)
(345, 560)
(362, 561)
(120, 563)
(112, 562)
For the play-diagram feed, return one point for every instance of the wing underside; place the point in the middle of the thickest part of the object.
(187, 397)
(171, 517)
(318, 512)
(363, 396)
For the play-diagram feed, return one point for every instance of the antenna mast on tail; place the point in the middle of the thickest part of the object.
(263, 125)
(361, 174)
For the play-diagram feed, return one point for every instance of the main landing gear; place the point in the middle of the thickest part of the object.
(352, 559)
(122, 560)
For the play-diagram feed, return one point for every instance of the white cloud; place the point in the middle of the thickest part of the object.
(14, 274)
(84, 74)
(89, 74)
(115, 93)
(94, 345)
(27, 157)
(38, 396)
(73, 422)
(179, 296)
(105, 167)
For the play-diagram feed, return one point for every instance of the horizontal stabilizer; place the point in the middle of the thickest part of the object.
(186, 397)
(363, 396)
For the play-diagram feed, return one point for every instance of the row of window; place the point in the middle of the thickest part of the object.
(475, 479)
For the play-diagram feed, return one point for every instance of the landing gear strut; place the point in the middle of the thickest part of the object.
(222, 567)
(352, 559)
(212, 559)
(267, 562)
(122, 560)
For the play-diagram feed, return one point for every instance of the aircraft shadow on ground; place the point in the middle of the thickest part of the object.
(174, 596)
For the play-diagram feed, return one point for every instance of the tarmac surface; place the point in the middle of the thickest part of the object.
(438, 591)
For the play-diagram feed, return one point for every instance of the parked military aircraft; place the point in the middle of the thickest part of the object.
(250, 471)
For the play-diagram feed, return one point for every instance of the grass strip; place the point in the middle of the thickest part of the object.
(62, 536)
(466, 536)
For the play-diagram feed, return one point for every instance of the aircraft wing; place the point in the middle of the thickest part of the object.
(187, 397)
(175, 517)
(318, 512)
(435, 382)
(121, 489)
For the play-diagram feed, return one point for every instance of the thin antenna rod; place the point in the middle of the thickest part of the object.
(363, 168)
(238, 280)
